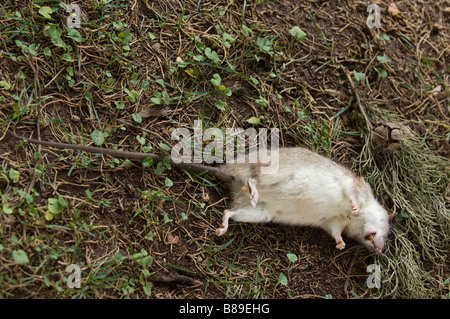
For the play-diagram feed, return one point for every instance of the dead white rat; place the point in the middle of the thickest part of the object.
(309, 190)
(306, 190)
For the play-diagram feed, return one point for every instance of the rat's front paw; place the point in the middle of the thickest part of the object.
(254, 199)
(340, 245)
(355, 209)
(254, 195)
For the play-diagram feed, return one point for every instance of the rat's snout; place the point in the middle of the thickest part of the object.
(373, 244)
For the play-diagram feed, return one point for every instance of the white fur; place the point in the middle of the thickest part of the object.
(311, 190)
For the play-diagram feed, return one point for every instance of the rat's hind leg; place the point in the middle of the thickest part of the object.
(227, 214)
(243, 214)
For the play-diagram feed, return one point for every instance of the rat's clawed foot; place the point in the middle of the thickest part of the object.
(355, 208)
(227, 214)
(254, 195)
(340, 245)
(251, 188)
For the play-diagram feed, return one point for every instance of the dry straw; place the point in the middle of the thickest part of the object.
(415, 181)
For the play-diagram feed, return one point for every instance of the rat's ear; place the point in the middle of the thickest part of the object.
(394, 213)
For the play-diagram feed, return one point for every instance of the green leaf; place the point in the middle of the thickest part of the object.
(145, 85)
(227, 40)
(147, 261)
(382, 73)
(222, 11)
(134, 96)
(118, 25)
(141, 139)
(199, 58)
(67, 57)
(126, 37)
(157, 98)
(54, 206)
(74, 35)
(5, 85)
(264, 44)
(147, 162)
(383, 59)
(384, 36)
(212, 55)
(254, 120)
(246, 30)
(160, 168)
(69, 70)
(119, 105)
(254, 80)
(298, 33)
(404, 214)
(6, 209)
(137, 117)
(98, 137)
(55, 36)
(119, 258)
(227, 92)
(164, 146)
(148, 289)
(301, 115)
(282, 279)
(14, 175)
(221, 105)
(216, 80)
(20, 257)
(49, 216)
(46, 12)
(359, 76)
(62, 201)
(262, 102)
(134, 78)
(31, 49)
(292, 257)
(166, 97)
(168, 182)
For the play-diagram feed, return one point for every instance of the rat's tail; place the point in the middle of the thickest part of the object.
(191, 167)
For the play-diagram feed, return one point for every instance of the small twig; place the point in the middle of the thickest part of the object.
(176, 279)
(349, 272)
(37, 93)
(358, 98)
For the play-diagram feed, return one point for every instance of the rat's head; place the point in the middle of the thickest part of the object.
(376, 227)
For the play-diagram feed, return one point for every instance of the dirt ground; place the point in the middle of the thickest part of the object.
(132, 230)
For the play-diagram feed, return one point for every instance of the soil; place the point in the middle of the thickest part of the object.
(176, 226)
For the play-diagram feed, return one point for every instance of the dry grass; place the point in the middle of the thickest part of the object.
(130, 227)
